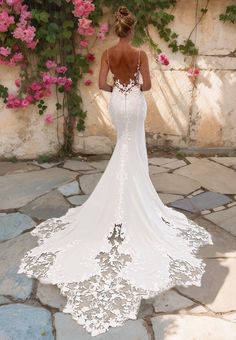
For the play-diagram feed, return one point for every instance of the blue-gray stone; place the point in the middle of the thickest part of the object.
(14, 224)
(50, 205)
(19, 286)
(69, 329)
(70, 189)
(78, 199)
(4, 300)
(23, 322)
(19, 189)
(203, 201)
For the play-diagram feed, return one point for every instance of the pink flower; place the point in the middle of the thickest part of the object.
(68, 84)
(103, 27)
(51, 64)
(25, 34)
(35, 86)
(38, 95)
(32, 44)
(5, 20)
(82, 8)
(61, 69)
(17, 57)
(193, 72)
(162, 58)
(90, 71)
(48, 118)
(18, 82)
(101, 35)
(90, 57)
(5, 51)
(84, 23)
(47, 78)
(30, 99)
(25, 102)
(87, 82)
(84, 43)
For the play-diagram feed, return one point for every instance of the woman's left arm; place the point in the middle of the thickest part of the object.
(103, 72)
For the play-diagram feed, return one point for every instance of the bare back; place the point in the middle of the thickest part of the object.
(123, 63)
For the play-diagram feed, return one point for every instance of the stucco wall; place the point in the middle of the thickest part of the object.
(179, 114)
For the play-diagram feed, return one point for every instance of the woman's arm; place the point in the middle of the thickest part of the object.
(103, 72)
(144, 69)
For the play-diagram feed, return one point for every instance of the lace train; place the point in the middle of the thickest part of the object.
(123, 244)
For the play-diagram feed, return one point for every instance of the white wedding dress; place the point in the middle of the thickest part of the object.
(123, 244)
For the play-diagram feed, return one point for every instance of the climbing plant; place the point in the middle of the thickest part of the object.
(229, 15)
(50, 40)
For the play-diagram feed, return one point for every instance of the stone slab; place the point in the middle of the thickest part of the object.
(68, 329)
(217, 291)
(226, 219)
(203, 201)
(9, 167)
(49, 205)
(100, 165)
(4, 300)
(212, 176)
(78, 199)
(89, 182)
(19, 286)
(170, 301)
(75, 165)
(154, 169)
(50, 295)
(46, 165)
(14, 224)
(19, 189)
(174, 184)
(168, 198)
(224, 245)
(161, 160)
(227, 161)
(192, 327)
(175, 165)
(70, 189)
(23, 322)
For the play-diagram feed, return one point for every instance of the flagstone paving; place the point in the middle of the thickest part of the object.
(204, 189)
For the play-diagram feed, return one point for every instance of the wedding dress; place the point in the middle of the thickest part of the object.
(123, 244)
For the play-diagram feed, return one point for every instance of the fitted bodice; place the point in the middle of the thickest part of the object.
(126, 88)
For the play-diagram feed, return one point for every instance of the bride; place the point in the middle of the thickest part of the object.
(123, 244)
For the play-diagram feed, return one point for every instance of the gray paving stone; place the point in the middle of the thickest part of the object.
(4, 300)
(100, 165)
(192, 159)
(175, 165)
(203, 201)
(23, 322)
(192, 327)
(19, 189)
(171, 301)
(168, 198)
(14, 224)
(217, 290)
(50, 295)
(89, 182)
(70, 189)
(153, 169)
(75, 165)
(68, 329)
(226, 219)
(9, 167)
(212, 176)
(78, 199)
(18, 286)
(174, 184)
(46, 165)
(161, 160)
(49, 205)
(224, 245)
(227, 161)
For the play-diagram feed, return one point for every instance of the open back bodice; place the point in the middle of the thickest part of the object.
(125, 88)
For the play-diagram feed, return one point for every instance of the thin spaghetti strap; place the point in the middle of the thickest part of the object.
(108, 58)
(138, 58)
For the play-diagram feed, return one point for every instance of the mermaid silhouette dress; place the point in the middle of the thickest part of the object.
(123, 244)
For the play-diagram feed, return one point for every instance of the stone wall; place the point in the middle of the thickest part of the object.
(179, 114)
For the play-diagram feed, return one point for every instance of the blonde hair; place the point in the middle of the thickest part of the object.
(124, 21)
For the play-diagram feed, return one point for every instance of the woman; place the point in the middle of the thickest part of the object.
(123, 244)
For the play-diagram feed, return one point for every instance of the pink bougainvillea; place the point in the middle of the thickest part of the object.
(5, 20)
(87, 82)
(193, 72)
(162, 58)
(48, 118)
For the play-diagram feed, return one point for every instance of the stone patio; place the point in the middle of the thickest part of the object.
(202, 188)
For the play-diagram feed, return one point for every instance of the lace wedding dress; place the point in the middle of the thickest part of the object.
(123, 244)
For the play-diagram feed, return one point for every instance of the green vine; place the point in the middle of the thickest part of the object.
(229, 15)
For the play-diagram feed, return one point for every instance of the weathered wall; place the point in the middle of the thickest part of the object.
(179, 114)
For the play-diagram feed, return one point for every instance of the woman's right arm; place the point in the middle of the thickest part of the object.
(144, 69)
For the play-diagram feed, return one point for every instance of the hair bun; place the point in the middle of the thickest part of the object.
(121, 12)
